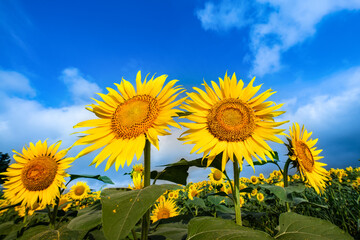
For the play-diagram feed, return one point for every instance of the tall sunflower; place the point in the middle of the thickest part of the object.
(126, 118)
(230, 120)
(305, 157)
(37, 175)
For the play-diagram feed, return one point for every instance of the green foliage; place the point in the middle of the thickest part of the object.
(4, 164)
(204, 228)
(297, 227)
(122, 210)
(170, 231)
(104, 179)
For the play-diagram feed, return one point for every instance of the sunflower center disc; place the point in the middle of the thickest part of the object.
(133, 117)
(305, 156)
(39, 173)
(217, 175)
(79, 190)
(231, 120)
(163, 213)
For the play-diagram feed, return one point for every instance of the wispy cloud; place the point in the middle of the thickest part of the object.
(276, 25)
(14, 82)
(80, 88)
(224, 16)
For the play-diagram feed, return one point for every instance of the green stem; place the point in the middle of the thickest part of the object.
(285, 176)
(231, 185)
(146, 218)
(236, 195)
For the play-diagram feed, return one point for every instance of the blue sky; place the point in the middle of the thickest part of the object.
(55, 55)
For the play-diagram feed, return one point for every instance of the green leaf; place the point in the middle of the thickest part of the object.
(6, 227)
(182, 114)
(298, 188)
(216, 163)
(171, 231)
(298, 200)
(197, 202)
(98, 235)
(276, 190)
(86, 221)
(224, 209)
(45, 233)
(298, 227)
(123, 209)
(104, 179)
(204, 228)
(176, 174)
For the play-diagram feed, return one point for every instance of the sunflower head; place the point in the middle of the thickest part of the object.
(126, 118)
(260, 197)
(79, 191)
(229, 119)
(305, 157)
(164, 209)
(37, 174)
(216, 176)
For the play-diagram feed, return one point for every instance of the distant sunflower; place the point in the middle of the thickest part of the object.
(164, 209)
(37, 175)
(216, 176)
(126, 118)
(230, 120)
(79, 191)
(138, 180)
(305, 157)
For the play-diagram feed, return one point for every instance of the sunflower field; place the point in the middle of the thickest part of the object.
(226, 122)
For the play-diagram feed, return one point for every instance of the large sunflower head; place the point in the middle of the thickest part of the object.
(164, 209)
(126, 118)
(37, 175)
(230, 119)
(79, 191)
(305, 157)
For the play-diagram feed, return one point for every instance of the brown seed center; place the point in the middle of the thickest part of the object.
(79, 190)
(39, 173)
(304, 155)
(133, 117)
(163, 213)
(231, 120)
(217, 175)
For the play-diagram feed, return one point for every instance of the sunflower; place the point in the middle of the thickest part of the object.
(137, 169)
(254, 180)
(260, 197)
(37, 175)
(230, 120)
(138, 180)
(126, 118)
(194, 192)
(216, 176)
(164, 209)
(79, 191)
(305, 157)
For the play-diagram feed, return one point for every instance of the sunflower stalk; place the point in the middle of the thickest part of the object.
(146, 218)
(236, 195)
(285, 176)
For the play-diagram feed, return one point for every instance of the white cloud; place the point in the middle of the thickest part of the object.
(224, 16)
(277, 25)
(15, 82)
(80, 88)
